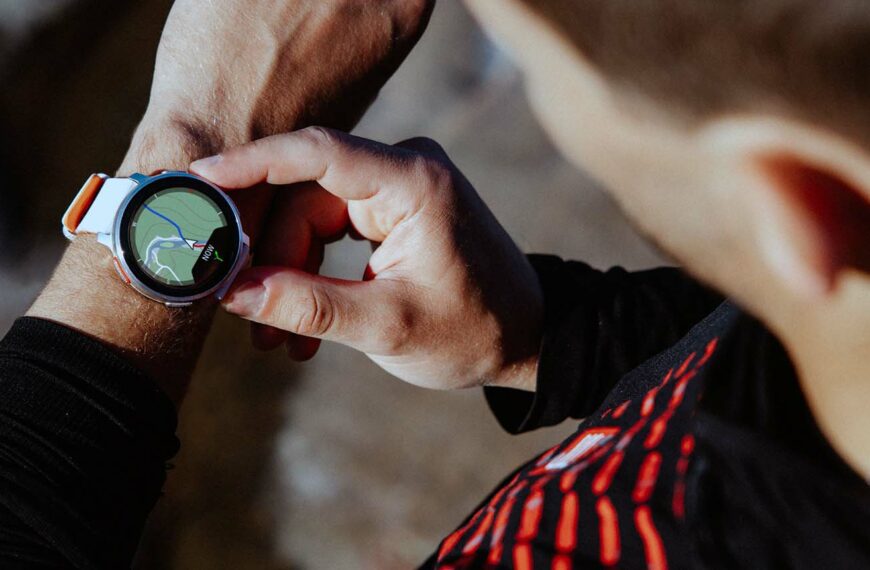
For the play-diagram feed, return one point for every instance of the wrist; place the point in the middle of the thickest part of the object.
(170, 139)
(522, 375)
(86, 294)
(519, 363)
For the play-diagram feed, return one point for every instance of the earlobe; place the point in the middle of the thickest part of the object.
(814, 224)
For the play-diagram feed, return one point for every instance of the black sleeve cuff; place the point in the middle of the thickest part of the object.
(597, 327)
(84, 441)
(557, 394)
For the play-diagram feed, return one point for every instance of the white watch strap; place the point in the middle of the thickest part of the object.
(101, 215)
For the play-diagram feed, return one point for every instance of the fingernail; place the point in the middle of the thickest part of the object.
(205, 162)
(246, 300)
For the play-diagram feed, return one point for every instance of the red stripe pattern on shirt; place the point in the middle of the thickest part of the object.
(622, 468)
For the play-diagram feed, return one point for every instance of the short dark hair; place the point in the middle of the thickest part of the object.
(808, 59)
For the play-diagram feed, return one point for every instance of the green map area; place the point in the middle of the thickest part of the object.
(170, 231)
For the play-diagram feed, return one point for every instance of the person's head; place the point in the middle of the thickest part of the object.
(735, 134)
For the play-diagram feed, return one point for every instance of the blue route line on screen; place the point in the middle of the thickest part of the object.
(159, 215)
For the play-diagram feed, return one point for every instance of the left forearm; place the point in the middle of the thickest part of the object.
(86, 294)
(226, 73)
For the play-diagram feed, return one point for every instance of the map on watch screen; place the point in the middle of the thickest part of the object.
(180, 237)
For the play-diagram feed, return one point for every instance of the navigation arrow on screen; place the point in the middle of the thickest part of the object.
(191, 243)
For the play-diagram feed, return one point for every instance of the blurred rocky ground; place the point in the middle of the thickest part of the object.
(331, 464)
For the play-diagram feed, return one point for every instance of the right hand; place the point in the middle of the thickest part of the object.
(447, 300)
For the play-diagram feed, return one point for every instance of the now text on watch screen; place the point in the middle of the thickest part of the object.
(180, 237)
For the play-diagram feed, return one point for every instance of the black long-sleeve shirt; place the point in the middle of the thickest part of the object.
(698, 448)
(84, 441)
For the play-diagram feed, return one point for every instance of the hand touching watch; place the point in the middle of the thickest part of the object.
(174, 237)
(293, 62)
(447, 299)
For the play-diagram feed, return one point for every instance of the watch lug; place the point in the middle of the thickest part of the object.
(222, 292)
(240, 264)
(106, 240)
(138, 177)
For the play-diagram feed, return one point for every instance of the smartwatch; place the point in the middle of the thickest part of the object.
(175, 237)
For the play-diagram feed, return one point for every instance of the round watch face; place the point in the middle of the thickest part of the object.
(180, 236)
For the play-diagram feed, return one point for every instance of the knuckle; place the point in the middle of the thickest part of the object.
(264, 147)
(321, 136)
(396, 333)
(310, 313)
(435, 172)
(425, 145)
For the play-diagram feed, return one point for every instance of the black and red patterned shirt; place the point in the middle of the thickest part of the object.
(697, 448)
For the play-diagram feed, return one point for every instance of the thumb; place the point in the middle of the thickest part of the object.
(355, 313)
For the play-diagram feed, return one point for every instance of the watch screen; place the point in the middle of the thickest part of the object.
(181, 238)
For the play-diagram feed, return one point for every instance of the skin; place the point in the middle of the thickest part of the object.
(432, 308)
(742, 178)
(785, 201)
(226, 73)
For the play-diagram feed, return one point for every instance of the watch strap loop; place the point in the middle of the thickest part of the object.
(95, 207)
(80, 205)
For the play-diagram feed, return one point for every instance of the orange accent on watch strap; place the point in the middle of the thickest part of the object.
(82, 203)
(121, 272)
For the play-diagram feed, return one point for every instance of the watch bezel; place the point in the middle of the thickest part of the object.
(139, 279)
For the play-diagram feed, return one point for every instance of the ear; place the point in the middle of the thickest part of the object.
(812, 200)
(820, 222)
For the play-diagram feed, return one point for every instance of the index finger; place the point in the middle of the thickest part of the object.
(350, 167)
(389, 183)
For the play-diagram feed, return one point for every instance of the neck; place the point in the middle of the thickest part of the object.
(829, 342)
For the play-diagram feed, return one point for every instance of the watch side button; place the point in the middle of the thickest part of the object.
(120, 271)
